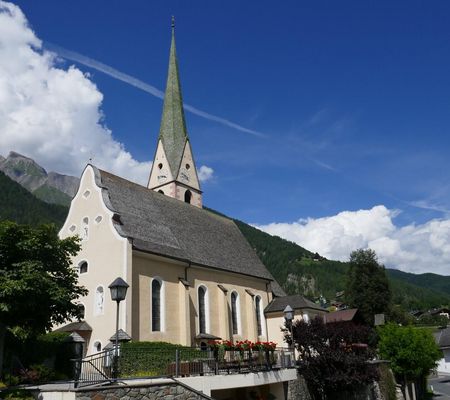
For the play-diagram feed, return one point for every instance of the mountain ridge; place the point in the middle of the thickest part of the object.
(50, 187)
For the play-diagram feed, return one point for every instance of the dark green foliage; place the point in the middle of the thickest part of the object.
(38, 359)
(334, 357)
(52, 195)
(432, 320)
(19, 205)
(276, 253)
(367, 286)
(139, 359)
(398, 315)
(301, 272)
(16, 394)
(412, 352)
(38, 285)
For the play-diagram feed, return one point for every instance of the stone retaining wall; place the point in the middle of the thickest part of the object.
(166, 392)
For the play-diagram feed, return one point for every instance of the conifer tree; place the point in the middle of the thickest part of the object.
(367, 285)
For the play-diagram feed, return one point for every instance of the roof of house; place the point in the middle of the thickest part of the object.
(75, 326)
(341, 316)
(122, 336)
(295, 301)
(442, 338)
(165, 226)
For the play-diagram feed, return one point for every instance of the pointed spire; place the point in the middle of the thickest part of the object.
(173, 132)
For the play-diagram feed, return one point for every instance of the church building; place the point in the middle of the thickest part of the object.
(192, 275)
(186, 266)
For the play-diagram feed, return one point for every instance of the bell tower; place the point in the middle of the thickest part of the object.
(173, 171)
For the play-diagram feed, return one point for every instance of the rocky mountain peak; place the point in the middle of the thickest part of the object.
(50, 187)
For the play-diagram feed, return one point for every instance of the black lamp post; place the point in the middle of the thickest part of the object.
(288, 317)
(118, 293)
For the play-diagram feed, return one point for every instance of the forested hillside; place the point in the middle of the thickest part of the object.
(18, 204)
(298, 270)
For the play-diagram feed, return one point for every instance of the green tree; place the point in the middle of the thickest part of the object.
(38, 285)
(334, 357)
(367, 285)
(412, 352)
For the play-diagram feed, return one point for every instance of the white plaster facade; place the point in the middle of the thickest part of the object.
(108, 255)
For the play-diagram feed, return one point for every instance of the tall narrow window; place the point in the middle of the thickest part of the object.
(97, 347)
(187, 196)
(202, 309)
(258, 315)
(156, 305)
(234, 312)
(83, 267)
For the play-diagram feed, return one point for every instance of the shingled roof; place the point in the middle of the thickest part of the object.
(165, 226)
(296, 302)
(173, 133)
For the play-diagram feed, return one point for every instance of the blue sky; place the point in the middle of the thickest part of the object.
(352, 98)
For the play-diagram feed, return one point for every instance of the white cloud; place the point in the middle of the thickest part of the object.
(205, 173)
(412, 248)
(51, 114)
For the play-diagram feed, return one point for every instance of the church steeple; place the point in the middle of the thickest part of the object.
(173, 172)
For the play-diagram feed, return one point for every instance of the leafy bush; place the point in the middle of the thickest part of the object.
(334, 357)
(139, 359)
(40, 359)
(16, 394)
(412, 352)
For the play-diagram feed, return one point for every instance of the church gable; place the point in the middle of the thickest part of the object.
(161, 172)
(187, 172)
(89, 210)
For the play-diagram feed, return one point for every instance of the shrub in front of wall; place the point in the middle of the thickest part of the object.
(138, 359)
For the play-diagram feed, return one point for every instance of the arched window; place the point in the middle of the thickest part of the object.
(160, 191)
(156, 305)
(97, 348)
(187, 196)
(235, 312)
(83, 267)
(306, 318)
(99, 300)
(258, 315)
(202, 309)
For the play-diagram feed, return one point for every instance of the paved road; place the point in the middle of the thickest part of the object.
(441, 387)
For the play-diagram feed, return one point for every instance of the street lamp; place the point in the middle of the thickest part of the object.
(288, 317)
(118, 293)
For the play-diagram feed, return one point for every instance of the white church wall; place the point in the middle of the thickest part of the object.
(106, 253)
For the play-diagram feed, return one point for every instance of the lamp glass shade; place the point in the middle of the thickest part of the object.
(118, 289)
(288, 313)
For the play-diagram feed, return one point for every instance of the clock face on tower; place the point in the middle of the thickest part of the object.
(162, 173)
(184, 175)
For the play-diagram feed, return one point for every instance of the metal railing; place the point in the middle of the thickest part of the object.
(180, 362)
(94, 369)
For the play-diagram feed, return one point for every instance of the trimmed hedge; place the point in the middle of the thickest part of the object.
(141, 359)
